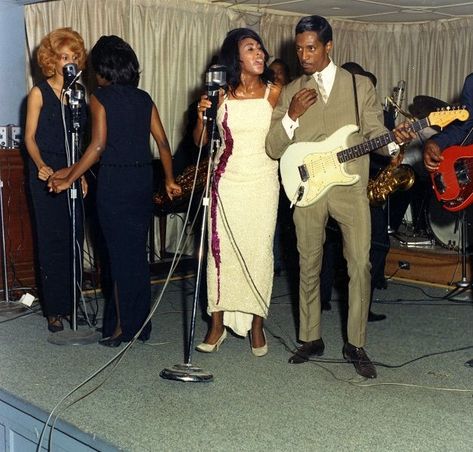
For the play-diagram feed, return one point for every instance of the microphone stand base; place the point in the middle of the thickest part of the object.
(74, 337)
(186, 373)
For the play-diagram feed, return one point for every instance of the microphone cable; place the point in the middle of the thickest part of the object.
(115, 360)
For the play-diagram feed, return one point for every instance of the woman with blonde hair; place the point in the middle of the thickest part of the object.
(45, 140)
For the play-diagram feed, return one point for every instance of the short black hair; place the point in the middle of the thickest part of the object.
(230, 56)
(372, 77)
(355, 68)
(284, 66)
(317, 24)
(113, 59)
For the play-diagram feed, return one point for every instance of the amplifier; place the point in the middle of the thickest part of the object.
(10, 136)
(4, 139)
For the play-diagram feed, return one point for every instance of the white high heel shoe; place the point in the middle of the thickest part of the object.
(210, 348)
(259, 351)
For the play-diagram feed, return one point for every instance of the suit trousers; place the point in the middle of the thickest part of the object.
(349, 206)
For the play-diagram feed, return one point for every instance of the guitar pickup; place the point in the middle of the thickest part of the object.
(439, 183)
(461, 170)
(303, 173)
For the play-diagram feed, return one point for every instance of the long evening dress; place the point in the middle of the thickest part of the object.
(124, 203)
(242, 216)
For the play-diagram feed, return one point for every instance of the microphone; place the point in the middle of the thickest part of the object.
(215, 78)
(70, 74)
(401, 88)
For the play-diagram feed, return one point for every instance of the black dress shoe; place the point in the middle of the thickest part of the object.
(381, 284)
(372, 317)
(360, 360)
(112, 341)
(306, 350)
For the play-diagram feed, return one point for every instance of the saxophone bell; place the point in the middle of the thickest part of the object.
(390, 179)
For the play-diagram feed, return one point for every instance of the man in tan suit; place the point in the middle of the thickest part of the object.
(310, 109)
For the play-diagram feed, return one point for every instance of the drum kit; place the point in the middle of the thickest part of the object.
(426, 223)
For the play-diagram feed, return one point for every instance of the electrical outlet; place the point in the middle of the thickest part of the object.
(404, 265)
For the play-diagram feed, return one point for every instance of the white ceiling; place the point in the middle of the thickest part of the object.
(361, 10)
(365, 10)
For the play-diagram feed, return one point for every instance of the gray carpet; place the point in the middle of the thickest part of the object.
(264, 403)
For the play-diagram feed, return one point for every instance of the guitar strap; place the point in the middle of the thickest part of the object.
(356, 102)
(467, 138)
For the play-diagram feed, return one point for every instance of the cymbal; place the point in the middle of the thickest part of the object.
(422, 106)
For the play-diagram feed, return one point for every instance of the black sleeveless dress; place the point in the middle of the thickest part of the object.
(51, 212)
(124, 203)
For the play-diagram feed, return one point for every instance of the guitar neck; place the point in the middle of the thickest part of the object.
(376, 143)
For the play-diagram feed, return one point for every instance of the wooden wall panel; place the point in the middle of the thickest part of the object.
(17, 222)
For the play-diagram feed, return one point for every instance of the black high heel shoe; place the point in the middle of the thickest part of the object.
(112, 341)
(55, 324)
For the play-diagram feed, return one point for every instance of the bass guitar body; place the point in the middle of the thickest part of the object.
(452, 182)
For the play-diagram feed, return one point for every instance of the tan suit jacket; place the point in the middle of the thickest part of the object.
(347, 205)
(321, 120)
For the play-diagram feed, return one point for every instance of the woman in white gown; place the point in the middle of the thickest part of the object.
(244, 195)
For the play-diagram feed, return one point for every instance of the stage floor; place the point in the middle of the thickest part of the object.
(421, 400)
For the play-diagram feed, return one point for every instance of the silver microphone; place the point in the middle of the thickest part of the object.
(399, 95)
(215, 78)
(70, 73)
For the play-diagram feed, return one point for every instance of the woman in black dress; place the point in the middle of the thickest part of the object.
(123, 117)
(45, 142)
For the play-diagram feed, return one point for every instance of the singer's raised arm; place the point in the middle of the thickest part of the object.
(199, 133)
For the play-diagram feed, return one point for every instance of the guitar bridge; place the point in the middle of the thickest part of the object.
(303, 173)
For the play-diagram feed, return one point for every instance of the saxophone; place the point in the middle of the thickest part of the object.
(186, 182)
(394, 177)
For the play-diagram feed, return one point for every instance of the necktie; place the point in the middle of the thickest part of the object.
(320, 82)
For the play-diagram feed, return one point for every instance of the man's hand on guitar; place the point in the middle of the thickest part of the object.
(432, 156)
(301, 101)
(404, 133)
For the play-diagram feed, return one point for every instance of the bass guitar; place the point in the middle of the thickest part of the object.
(309, 170)
(453, 180)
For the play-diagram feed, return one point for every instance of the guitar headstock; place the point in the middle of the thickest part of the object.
(445, 116)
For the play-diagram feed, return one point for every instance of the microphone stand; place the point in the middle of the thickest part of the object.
(187, 371)
(4, 252)
(74, 336)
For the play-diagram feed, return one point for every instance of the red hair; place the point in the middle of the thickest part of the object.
(53, 42)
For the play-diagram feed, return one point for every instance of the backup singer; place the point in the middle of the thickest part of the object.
(307, 111)
(244, 196)
(45, 142)
(123, 117)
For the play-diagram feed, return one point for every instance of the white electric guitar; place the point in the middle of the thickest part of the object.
(309, 170)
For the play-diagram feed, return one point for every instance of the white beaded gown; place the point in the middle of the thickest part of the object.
(242, 215)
